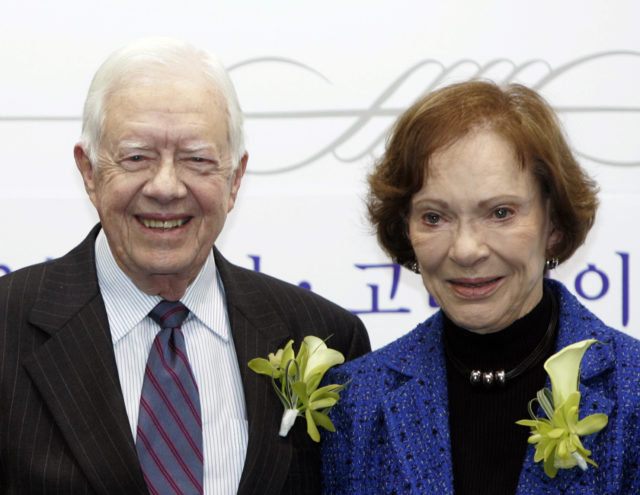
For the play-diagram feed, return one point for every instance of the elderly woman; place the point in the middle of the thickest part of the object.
(479, 193)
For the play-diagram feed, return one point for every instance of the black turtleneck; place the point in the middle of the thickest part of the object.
(487, 447)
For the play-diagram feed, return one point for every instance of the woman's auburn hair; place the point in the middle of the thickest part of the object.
(437, 120)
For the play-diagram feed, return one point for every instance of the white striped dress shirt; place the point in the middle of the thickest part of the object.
(210, 350)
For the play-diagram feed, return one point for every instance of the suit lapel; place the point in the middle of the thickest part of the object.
(257, 330)
(76, 374)
(416, 413)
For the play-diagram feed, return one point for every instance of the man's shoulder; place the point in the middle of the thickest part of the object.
(262, 299)
(20, 280)
(58, 274)
(274, 289)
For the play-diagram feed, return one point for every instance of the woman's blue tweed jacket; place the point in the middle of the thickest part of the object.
(393, 426)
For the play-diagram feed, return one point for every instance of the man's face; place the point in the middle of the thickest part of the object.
(164, 181)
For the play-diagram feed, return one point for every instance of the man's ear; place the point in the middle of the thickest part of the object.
(86, 170)
(237, 179)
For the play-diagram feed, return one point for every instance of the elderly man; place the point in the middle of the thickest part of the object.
(123, 364)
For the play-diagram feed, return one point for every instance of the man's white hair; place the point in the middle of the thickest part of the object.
(135, 60)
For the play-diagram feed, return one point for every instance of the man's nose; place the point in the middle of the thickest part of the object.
(165, 184)
(469, 245)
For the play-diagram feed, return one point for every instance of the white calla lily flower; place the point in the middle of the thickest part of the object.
(319, 358)
(564, 370)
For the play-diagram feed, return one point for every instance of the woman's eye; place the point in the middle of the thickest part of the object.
(432, 218)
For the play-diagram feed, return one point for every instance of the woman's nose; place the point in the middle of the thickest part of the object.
(469, 245)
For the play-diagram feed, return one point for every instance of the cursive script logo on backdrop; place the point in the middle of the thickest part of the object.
(563, 81)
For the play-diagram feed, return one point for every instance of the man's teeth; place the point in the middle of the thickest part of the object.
(163, 224)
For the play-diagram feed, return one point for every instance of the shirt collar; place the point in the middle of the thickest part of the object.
(127, 305)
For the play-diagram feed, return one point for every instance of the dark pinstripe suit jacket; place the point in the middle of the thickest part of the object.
(63, 425)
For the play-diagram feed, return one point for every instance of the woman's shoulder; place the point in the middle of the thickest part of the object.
(578, 322)
(614, 361)
(626, 352)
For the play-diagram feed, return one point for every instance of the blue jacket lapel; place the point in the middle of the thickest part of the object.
(418, 411)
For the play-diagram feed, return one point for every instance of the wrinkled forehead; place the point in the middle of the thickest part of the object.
(152, 79)
(513, 145)
(166, 93)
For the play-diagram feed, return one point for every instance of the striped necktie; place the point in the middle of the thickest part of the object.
(169, 437)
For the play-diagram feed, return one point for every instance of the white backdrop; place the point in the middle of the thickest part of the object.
(320, 84)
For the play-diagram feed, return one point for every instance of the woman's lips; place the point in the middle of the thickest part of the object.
(474, 288)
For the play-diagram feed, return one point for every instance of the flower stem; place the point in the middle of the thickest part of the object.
(288, 419)
(581, 462)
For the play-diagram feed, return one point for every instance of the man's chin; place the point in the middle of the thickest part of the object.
(168, 266)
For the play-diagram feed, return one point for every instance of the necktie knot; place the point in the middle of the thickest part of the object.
(169, 314)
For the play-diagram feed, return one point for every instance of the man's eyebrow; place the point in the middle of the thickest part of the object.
(134, 145)
(194, 148)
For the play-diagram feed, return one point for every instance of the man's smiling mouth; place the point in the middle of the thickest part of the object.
(163, 224)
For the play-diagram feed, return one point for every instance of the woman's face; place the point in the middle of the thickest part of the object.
(480, 229)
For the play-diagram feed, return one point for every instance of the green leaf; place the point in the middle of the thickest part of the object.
(545, 399)
(592, 424)
(317, 395)
(300, 388)
(331, 388)
(302, 357)
(549, 468)
(284, 399)
(288, 355)
(323, 420)
(312, 429)
(528, 422)
(556, 433)
(322, 403)
(262, 366)
(292, 369)
(291, 374)
(313, 381)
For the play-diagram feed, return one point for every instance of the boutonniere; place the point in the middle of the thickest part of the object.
(557, 439)
(295, 379)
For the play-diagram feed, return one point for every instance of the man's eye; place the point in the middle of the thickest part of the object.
(135, 158)
(501, 213)
(197, 159)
